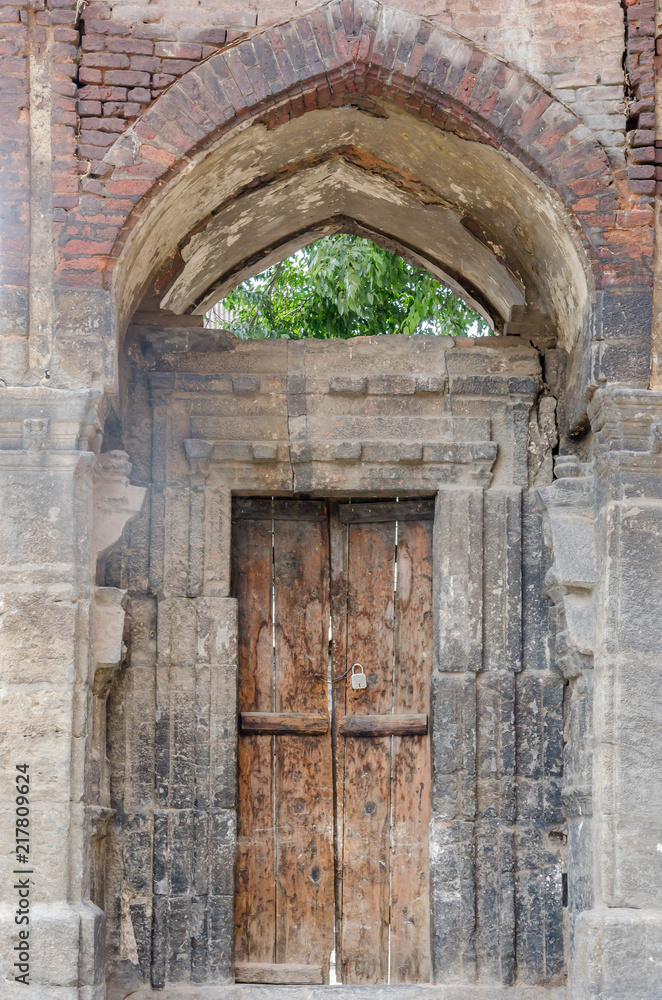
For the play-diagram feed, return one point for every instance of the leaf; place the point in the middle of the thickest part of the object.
(345, 286)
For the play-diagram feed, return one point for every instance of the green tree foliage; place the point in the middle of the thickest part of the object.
(345, 286)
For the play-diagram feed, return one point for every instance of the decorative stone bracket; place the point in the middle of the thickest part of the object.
(569, 523)
(116, 502)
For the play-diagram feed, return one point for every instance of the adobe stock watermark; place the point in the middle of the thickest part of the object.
(22, 873)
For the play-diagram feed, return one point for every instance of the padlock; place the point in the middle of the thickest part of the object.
(358, 679)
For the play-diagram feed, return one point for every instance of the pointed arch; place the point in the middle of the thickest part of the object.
(364, 54)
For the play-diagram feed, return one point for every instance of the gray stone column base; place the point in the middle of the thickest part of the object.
(617, 955)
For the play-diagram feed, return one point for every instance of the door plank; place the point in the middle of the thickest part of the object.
(266, 509)
(366, 798)
(278, 723)
(304, 781)
(384, 725)
(410, 889)
(278, 975)
(404, 510)
(255, 897)
(339, 539)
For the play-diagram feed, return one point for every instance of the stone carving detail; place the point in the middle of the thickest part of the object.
(570, 535)
(543, 437)
(36, 434)
(116, 502)
(198, 454)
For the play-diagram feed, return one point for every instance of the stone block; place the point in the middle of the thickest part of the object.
(458, 582)
(348, 451)
(617, 954)
(495, 904)
(222, 852)
(221, 938)
(245, 383)
(348, 384)
(640, 579)
(452, 879)
(37, 638)
(391, 385)
(267, 452)
(55, 930)
(502, 584)
(138, 849)
(37, 516)
(453, 722)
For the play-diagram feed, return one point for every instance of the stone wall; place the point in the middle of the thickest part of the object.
(153, 154)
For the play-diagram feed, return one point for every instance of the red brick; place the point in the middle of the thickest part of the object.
(103, 93)
(642, 154)
(109, 60)
(106, 124)
(126, 78)
(153, 31)
(89, 75)
(147, 64)
(163, 80)
(642, 137)
(178, 50)
(139, 94)
(70, 35)
(92, 43)
(642, 187)
(89, 107)
(157, 155)
(177, 66)
(129, 109)
(641, 172)
(132, 46)
(128, 187)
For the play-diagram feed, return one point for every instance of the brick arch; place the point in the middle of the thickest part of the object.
(348, 51)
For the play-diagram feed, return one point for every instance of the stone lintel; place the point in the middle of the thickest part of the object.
(38, 418)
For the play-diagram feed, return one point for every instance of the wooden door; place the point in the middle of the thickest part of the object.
(368, 567)
(284, 896)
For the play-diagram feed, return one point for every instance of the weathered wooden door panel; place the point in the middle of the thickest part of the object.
(364, 798)
(410, 960)
(384, 581)
(255, 902)
(284, 906)
(304, 777)
(368, 567)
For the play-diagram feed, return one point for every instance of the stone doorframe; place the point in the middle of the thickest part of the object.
(459, 418)
(613, 501)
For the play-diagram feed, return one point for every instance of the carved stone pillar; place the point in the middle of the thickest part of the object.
(497, 834)
(570, 533)
(605, 529)
(173, 733)
(53, 487)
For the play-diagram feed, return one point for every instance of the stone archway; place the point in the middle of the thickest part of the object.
(544, 259)
(483, 196)
(359, 55)
(469, 171)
